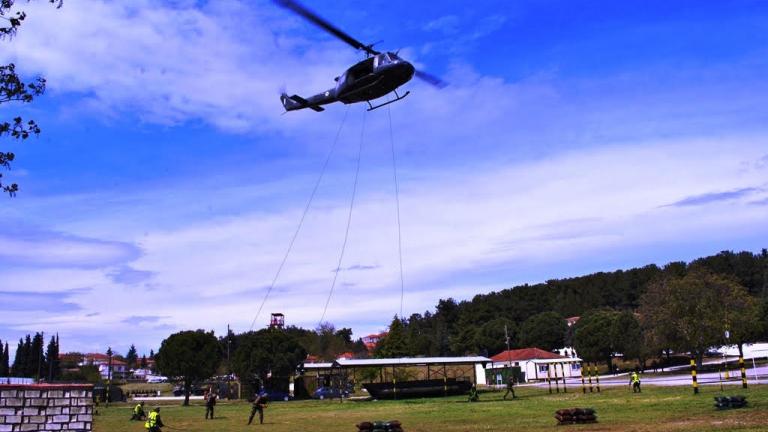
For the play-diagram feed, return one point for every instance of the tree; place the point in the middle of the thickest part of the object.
(20, 359)
(545, 330)
(592, 336)
(131, 357)
(627, 337)
(52, 369)
(190, 355)
(269, 356)
(14, 89)
(143, 362)
(4, 362)
(692, 312)
(394, 344)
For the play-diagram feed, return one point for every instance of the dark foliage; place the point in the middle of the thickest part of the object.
(191, 356)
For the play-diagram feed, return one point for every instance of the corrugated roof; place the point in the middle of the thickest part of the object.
(525, 354)
(405, 361)
(318, 365)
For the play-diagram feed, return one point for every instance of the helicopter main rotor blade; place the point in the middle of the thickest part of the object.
(325, 25)
(431, 79)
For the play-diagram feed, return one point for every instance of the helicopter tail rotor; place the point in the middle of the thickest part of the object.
(431, 79)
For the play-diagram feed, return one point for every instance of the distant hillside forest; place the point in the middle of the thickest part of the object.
(640, 312)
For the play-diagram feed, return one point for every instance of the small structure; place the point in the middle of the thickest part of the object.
(372, 340)
(102, 362)
(401, 377)
(277, 320)
(535, 364)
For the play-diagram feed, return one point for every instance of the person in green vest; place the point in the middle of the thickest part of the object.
(473, 396)
(154, 422)
(138, 412)
(634, 381)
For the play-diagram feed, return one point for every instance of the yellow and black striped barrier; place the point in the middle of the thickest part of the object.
(743, 372)
(693, 376)
(583, 383)
(597, 377)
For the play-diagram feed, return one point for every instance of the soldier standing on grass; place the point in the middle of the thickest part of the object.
(210, 402)
(510, 386)
(258, 405)
(473, 396)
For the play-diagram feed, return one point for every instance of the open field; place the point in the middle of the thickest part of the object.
(657, 408)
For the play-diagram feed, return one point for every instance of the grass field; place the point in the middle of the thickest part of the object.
(656, 409)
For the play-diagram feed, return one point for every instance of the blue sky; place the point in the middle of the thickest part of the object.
(574, 137)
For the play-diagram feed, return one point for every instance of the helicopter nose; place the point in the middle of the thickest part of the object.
(407, 69)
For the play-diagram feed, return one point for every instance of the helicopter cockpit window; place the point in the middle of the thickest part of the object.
(382, 59)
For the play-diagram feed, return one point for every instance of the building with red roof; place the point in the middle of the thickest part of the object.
(372, 340)
(535, 364)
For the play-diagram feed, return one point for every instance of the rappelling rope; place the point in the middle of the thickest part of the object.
(349, 221)
(397, 200)
(303, 216)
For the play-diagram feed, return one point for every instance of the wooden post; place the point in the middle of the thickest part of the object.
(583, 384)
(562, 369)
(549, 379)
(589, 375)
(445, 380)
(394, 383)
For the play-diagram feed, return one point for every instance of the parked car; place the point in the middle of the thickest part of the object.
(275, 395)
(156, 379)
(328, 392)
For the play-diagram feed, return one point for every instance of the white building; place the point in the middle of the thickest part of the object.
(536, 365)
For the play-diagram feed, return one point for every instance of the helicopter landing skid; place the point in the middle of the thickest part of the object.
(388, 102)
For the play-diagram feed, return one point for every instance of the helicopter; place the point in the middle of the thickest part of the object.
(378, 75)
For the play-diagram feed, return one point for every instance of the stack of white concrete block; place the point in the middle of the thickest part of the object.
(45, 407)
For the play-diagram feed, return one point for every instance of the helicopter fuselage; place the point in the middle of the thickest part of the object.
(369, 79)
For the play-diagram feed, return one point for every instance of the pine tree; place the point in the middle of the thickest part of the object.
(36, 358)
(52, 368)
(5, 361)
(144, 362)
(132, 357)
(20, 359)
(2, 356)
(151, 354)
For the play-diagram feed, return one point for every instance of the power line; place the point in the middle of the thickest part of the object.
(303, 216)
(349, 221)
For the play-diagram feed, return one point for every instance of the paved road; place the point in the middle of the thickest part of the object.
(677, 377)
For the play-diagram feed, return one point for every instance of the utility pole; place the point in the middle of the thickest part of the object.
(229, 363)
(109, 375)
(509, 352)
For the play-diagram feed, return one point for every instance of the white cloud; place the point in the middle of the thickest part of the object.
(510, 215)
(485, 183)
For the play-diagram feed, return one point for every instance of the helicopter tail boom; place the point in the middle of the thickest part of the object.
(296, 102)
